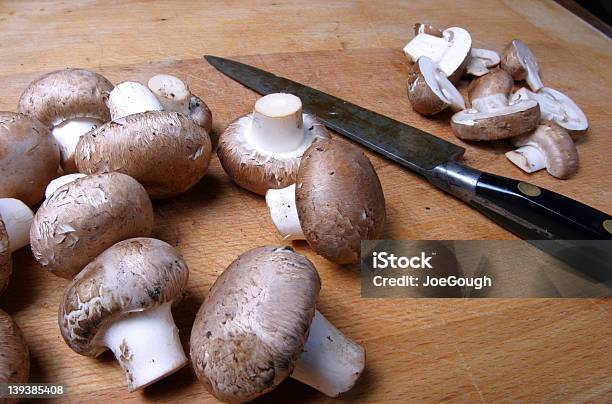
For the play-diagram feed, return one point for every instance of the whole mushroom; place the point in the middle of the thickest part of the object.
(15, 221)
(430, 91)
(71, 102)
(14, 354)
(29, 157)
(492, 116)
(259, 325)
(262, 150)
(121, 301)
(336, 202)
(519, 61)
(84, 217)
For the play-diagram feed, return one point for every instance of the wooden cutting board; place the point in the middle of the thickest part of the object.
(417, 349)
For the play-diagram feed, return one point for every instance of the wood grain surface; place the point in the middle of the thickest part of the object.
(428, 350)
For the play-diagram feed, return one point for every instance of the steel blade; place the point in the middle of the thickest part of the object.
(408, 146)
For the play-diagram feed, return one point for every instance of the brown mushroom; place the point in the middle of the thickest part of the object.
(29, 157)
(84, 217)
(14, 354)
(259, 325)
(518, 60)
(337, 202)
(72, 102)
(262, 150)
(550, 147)
(121, 301)
(492, 116)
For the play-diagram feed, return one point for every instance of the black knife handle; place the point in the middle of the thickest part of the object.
(529, 211)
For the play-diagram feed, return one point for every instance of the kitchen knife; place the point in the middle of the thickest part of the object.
(529, 211)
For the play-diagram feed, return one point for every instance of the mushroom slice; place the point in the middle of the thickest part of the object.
(332, 224)
(72, 102)
(518, 60)
(480, 61)
(29, 157)
(491, 115)
(259, 325)
(84, 217)
(430, 91)
(15, 363)
(174, 95)
(425, 28)
(167, 152)
(262, 150)
(121, 301)
(550, 147)
(450, 51)
(556, 107)
(15, 221)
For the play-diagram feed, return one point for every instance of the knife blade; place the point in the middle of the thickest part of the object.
(529, 211)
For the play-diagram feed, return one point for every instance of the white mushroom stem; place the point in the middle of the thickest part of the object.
(147, 346)
(67, 135)
(528, 158)
(130, 98)
(426, 45)
(277, 125)
(284, 214)
(60, 181)
(172, 93)
(330, 362)
(17, 218)
(490, 103)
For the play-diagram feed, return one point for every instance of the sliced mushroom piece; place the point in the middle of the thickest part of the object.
(29, 157)
(492, 116)
(518, 60)
(450, 52)
(84, 217)
(259, 325)
(430, 91)
(262, 150)
(556, 107)
(319, 209)
(14, 354)
(174, 95)
(15, 221)
(480, 61)
(121, 301)
(72, 102)
(550, 147)
(425, 28)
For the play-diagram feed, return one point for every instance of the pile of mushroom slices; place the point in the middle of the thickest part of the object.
(317, 189)
(541, 122)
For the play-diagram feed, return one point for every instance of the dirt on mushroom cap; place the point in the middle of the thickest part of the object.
(15, 363)
(254, 323)
(66, 94)
(339, 200)
(131, 276)
(6, 264)
(167, 152)
(255, 170)
(29, 158)
(85, 217)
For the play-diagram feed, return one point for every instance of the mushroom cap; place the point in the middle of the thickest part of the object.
(429, 91)
(339, 200)
(131, 276)
(200, 113)
(15, 363)
(257, 170)
(29, 158)
(556, 145)
(85, 217)
(497, 81)
(254, 323)
(66, 94)
(167, 152)
(6, 265)
(516, 58)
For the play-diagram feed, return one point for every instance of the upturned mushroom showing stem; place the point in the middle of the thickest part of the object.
(121, 301)
(258, 325)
